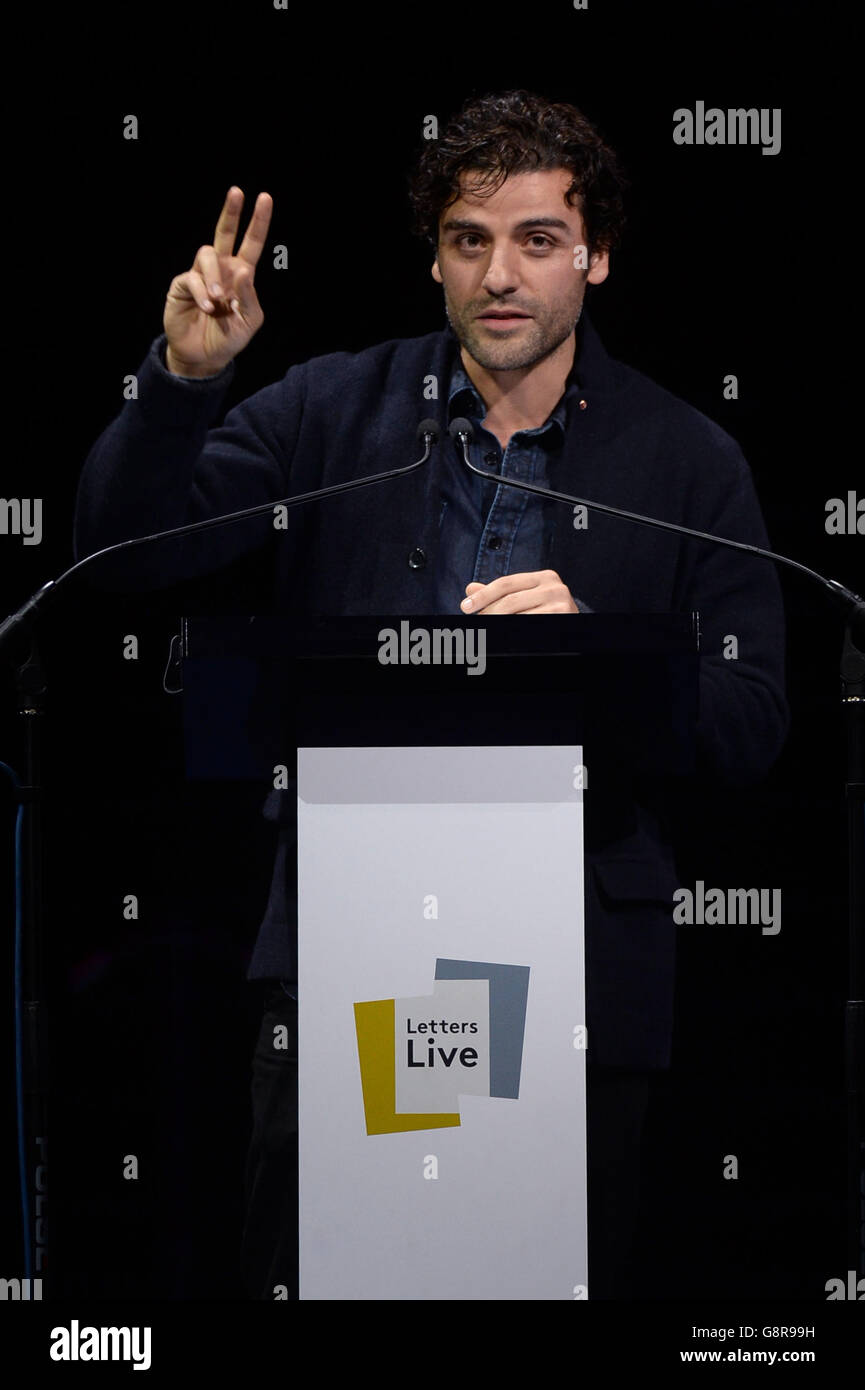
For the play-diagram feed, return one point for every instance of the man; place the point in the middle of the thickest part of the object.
(521, 201)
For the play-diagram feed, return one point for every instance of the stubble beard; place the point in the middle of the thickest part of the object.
(527, 346)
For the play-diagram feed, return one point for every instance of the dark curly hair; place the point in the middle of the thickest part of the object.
(513, 133)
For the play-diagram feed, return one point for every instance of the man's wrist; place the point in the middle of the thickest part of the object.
(188, 370)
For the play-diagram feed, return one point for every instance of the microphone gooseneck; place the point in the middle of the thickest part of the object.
(462, 433)
(428, 432)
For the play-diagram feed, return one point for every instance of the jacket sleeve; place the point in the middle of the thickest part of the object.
(743, 715)
(163, 463)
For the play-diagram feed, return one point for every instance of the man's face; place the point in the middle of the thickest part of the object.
(512, 253)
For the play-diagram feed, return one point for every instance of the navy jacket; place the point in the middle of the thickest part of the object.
(633, 445)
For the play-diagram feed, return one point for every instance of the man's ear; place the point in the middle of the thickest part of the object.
(599, 267)
(436, 273)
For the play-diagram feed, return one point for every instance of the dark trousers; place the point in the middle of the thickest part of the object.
(616, 1108)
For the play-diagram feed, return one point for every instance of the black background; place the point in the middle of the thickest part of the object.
(729, 266)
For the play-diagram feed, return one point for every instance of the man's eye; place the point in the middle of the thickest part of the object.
(470, 241)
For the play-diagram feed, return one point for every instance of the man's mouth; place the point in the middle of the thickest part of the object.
(503, 318)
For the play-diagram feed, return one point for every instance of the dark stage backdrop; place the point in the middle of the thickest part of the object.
(730, 266)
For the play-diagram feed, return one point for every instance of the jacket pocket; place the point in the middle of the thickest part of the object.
(634, 880)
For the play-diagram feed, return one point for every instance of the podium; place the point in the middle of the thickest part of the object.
(439, 769)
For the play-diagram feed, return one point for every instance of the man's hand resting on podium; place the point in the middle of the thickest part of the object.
(212, 310)
(540, 592)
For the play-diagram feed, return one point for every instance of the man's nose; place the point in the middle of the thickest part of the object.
(502, 274)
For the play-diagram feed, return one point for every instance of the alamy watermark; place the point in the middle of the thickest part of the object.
(845, 516)
(21, 516)
(76, 1343)
(438, 646)
(730, 907)
(20, 1290)
(740, 126)
(851, 1289)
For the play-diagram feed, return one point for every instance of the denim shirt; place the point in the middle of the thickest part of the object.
(487, 530)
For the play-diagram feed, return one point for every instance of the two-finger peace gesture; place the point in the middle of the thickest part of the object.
(212, 310)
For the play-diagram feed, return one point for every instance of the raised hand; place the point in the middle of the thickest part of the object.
(212, 310)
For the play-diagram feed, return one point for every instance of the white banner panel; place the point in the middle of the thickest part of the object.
(441, 1023)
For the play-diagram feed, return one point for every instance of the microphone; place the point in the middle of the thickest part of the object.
(462, 433)
(428, 431)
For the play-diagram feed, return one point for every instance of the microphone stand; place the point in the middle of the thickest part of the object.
(30, 1011)
(853, 706)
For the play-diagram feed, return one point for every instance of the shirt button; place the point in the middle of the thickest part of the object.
(491, 457)
(417, 559)
(494, 543)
